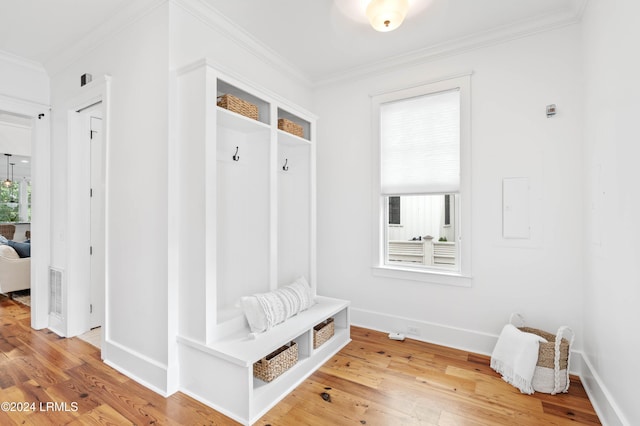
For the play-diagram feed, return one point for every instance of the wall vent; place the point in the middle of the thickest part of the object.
(55, 292)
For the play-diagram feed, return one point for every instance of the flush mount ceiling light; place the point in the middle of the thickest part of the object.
(387, 15)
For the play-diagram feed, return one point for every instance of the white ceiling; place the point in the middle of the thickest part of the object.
(320, 38)
(326, 38)
(39, 29)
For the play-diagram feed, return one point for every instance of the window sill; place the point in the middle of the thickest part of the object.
(427, 276)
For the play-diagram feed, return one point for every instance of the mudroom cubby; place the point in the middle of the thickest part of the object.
(295, 208)
(304, 124)
(246, 225)
(224, 88)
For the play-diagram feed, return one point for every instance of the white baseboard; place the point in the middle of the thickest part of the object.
(439, 334)
(153, 374)
(608, 411)
(216, 407)
(483, 343)
(148, 372)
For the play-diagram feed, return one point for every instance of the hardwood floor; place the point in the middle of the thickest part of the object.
(377, 381)
(372, 381)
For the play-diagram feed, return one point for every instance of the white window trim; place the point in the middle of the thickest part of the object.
(462, 277)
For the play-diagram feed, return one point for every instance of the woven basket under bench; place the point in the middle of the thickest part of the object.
(552, 369)
(276, 363)
(323, 332)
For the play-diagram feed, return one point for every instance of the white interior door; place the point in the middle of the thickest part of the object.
(97, 207)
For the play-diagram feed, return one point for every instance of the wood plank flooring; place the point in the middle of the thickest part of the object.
(372, 381)
(377, 381)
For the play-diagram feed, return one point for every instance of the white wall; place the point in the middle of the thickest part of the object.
(141, 317)
(612, 208)
(136, 217)
(511, 137)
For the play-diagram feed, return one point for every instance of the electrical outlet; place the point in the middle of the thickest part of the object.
(413, 330)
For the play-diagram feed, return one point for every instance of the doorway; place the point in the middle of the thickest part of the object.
(85, 287)
(96, 231)
(39, 115)
(85, 264)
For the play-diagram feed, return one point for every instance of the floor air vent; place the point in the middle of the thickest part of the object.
(55, 292)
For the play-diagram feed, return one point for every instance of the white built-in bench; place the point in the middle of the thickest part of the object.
(220, 374)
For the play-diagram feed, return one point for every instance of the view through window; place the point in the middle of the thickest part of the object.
(419, 231)
(15, 202)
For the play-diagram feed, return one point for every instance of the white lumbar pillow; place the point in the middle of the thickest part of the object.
(264, 310)
(254, 313)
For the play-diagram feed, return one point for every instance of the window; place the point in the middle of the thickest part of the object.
(422, 176)
(447, 209)
(394, 210)
(15, 202)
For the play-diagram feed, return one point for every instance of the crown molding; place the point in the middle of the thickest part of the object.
(201, 10)
(22, 106)
(23, 62)
(213, 18)
(127, 16)
(23, 124)
(478, 40)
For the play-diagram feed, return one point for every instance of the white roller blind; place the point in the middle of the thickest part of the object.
(420, 144)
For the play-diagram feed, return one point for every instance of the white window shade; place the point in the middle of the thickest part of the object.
(420, 144)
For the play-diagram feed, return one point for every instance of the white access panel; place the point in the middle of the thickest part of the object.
(515, 208)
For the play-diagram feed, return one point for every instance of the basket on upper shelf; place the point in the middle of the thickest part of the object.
(237, 105)
(276, 363)
(323, 332)
(290, 127)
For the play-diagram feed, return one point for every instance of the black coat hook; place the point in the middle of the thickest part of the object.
(285, 167)
(236, 157)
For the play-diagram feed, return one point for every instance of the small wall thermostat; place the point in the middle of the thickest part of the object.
(551, 110)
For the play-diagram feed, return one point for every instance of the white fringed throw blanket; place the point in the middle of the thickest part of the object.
(515, 357)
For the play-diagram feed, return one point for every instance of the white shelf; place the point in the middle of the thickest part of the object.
(230, 361)
(234, 121)
(265, 395)
(289, 139)
(295, 118)
(242, 350)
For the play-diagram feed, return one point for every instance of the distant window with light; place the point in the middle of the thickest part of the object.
(15, 202)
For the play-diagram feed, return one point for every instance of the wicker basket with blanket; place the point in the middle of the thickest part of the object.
(552, 369)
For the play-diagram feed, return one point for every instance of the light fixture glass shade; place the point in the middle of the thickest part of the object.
(387, 15)
(7, 182)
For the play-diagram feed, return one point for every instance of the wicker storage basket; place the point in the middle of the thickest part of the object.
(552, 369)
(323, 332)
(290, 127)
(276, 363)
(238, 105)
